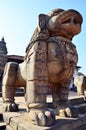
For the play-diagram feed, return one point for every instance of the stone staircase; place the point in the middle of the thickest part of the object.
(79, 104)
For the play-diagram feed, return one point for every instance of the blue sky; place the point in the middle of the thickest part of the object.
(18, 20)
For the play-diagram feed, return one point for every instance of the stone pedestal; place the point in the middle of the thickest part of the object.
(19, 120)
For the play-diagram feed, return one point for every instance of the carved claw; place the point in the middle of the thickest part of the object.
(42, 117)
(10, 107)
(71, 112)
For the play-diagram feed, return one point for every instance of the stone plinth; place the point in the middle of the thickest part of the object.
(19, 120)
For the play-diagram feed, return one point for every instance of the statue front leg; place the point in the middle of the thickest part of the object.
(8, 86)
(36, 90)
(36, 101)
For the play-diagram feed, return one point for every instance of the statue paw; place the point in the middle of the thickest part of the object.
(42, 117)
(71, 112)
(10, 107)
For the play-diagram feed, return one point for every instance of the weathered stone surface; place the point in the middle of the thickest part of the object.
(51, 58)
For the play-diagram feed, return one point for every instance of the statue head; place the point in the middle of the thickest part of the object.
(59, 22)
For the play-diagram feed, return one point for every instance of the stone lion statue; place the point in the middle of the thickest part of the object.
(50, 58)
(80, 83)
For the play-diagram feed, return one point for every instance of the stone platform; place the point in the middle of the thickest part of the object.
(19, 120)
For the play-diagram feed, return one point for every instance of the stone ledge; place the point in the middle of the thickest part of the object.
(20, 121)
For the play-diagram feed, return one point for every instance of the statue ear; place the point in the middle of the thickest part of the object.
(41, 21)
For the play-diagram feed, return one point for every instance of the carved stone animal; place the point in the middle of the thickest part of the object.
(50, 58)
(80, 83)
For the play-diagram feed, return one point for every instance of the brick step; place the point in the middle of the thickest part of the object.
(72, 102)
(81, 108)
(76, 101)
